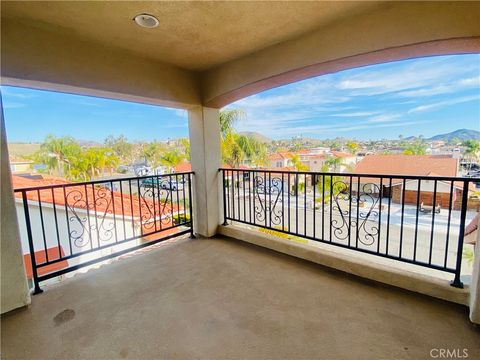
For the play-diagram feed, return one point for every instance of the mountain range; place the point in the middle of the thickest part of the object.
(461, 134)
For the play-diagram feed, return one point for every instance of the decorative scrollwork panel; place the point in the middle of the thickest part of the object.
(355, 214)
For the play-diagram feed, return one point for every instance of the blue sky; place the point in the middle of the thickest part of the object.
(424, 96)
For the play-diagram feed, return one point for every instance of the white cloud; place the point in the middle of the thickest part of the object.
(333, 129)
(418, 75)
(179, 112)
(384, 118)
(372, 97)
(356, 114)
(8, 93)
(440, 104)
(13, 105)
(446, 88)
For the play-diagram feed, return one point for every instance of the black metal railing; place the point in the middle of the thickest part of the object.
(414, 219)
(70, 226)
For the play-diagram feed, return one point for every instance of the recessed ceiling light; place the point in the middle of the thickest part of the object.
(146, 20)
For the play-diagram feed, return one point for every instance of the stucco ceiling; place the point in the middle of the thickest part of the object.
(191, 35)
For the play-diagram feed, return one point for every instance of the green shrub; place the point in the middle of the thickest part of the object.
(283, 235)
(181, 219)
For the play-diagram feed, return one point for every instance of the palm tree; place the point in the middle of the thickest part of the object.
(171, 158)
(228, 118)
(472, 149)
(185, 145)
(416, 148)
(232, 152)
(329, 184)
(297, 164)
(58, 153)
(253, 150)
(333, 163)
(152, 152)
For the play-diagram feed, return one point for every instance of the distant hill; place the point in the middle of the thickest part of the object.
(461, 134)
(257, 136)
(20, 150)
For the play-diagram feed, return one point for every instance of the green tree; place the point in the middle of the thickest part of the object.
(297, 164)
(93, 162)
(352, 147)
(228, 118)
(328, 184)
(472, 150)
(455, 141)
(153, 152)
(232, 152)
(253, 150)
(185, 146)
(237, 148)
(415, 148)
(57, 153)
(333, 163)
(120, 146)
(171, 158)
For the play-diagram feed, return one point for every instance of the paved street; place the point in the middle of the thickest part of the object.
(376, 231)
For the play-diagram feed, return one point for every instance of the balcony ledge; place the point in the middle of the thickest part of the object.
(365, 266)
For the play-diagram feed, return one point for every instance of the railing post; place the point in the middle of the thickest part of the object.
(461, 234)
(37, 289)
(225, 223)
(192, 233)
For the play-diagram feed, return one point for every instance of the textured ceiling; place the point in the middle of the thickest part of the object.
(191, 35)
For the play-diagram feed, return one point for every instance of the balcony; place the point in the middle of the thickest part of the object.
(274, 272)
(162, 285)
(223, 298)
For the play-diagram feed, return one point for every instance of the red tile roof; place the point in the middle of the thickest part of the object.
(341, 154)
(41, 257)
(471, 228)
(75, 194)
(280, 155)
(303, 152)
(423, 165)
(183, 167)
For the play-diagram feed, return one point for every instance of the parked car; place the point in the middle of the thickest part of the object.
(162, 183)
(474, 174)
(171, 185)
(269, 187)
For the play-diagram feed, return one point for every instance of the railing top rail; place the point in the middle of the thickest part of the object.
(103, 181)
(384, 176)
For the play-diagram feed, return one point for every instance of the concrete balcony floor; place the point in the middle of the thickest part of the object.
(221, 298)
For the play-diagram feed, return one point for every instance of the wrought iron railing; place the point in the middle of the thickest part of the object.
(414, 219)
(69, 226)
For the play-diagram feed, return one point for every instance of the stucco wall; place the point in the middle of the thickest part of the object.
(55, 59)
(394, 31)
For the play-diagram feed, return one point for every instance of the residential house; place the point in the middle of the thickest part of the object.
(423, 165)
(348, 160)
(74, 220)
(20, 166)
(280, 160)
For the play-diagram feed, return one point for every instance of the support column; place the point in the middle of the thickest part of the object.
(205, 154)
(14, 288)
(475, 285)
